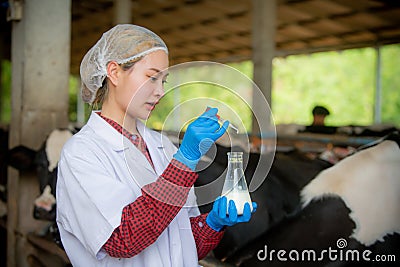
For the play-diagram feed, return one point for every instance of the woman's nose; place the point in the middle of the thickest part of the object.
(159, 91)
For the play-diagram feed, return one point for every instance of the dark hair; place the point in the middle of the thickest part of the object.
(320, 110)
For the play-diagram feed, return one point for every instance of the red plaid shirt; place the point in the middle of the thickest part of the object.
(147, 217)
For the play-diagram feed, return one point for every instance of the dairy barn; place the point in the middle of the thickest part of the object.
(44, 41)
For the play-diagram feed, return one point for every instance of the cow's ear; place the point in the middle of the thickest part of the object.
(21, 158)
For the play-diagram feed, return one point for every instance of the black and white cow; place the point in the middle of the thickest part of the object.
(276, 197)
(44, 163)
(350, 216)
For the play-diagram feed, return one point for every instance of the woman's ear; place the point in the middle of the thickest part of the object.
(113, 70)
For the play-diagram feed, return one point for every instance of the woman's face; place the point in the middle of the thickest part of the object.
(141, 87)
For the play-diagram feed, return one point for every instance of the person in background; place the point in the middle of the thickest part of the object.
(318, 124)
(319, 114)
(124, 192)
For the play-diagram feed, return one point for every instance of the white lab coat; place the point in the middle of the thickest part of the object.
(99, 173)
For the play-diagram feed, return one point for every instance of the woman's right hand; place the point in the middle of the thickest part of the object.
(218, 218)
(199, 137)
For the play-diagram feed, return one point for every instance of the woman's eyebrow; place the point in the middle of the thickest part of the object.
(156, 70)
(159, 71)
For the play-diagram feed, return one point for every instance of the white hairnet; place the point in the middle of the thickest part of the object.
(122, 43)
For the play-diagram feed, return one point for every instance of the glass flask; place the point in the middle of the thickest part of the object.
(235, 186)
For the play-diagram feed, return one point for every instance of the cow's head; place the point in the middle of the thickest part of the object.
(44, 162)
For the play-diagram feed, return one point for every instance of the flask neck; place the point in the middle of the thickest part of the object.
(235, 164)
(235, 159)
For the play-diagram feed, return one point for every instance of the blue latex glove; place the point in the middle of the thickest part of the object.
(199, 137)
(218, 218)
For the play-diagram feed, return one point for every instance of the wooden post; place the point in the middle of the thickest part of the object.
(263, 37)
(122, 11)
(378, 87)
(40, 73)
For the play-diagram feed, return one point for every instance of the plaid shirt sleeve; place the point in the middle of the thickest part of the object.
(147, 217)
(206, 238)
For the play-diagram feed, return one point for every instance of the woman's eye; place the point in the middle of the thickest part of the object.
(164, 81)
(153, 79)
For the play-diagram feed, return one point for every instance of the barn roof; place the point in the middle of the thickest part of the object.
(220, 30)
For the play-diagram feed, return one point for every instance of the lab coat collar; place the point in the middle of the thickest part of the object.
(120, 143)
(147, 135)
(155, 145)
(117, 141)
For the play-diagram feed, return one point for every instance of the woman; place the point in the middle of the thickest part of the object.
(124, 192)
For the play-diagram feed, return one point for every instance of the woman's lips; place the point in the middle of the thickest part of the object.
(152, 105)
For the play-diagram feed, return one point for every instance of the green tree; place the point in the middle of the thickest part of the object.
(391, 84)
(5, 92)
(343, 82)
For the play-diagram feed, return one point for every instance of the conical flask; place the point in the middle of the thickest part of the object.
(235, 186)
